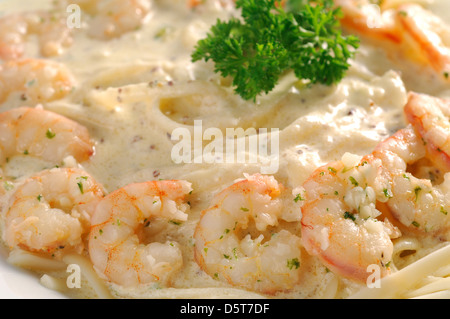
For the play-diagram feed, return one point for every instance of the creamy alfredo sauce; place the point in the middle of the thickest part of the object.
(132, 92)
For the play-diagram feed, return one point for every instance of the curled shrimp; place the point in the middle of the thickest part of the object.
(50, 212)
(50, 28)
(430, 118)
(120, 248)
(341, 198)
(369, 20)
(416, 202)
(44, 134)
(113, 18)
(408, 28)
(238, 238)
(35, 80)
(340, 220)
(427, 37)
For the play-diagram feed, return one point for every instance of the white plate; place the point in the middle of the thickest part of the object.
(17, 283)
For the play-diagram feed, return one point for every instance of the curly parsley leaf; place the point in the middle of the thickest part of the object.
(268, 41)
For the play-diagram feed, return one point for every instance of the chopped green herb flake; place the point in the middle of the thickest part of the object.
(353, 181)
(30, 83)
(235, 253)
(298, 198)
(416, 191)
(7, 185)
(80, 186)
(348, 215)
(50, 134)
(293, 263)
(387, 193)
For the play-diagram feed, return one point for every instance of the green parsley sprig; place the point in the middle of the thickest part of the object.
(268, 41)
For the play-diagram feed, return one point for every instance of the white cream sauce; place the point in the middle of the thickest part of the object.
(133, 91)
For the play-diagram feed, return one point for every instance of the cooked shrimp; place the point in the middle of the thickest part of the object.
(237, 239)
(50, 212)
(216, 4)
(332, 226)
(417, 203)
(410, 29)
(51, 30)
(367, 19)
(13, 30)
(113, 18)
(37, 80)
(340, 220)
(430, 117)
(117, 247)
(427, 37)
(44, 134)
